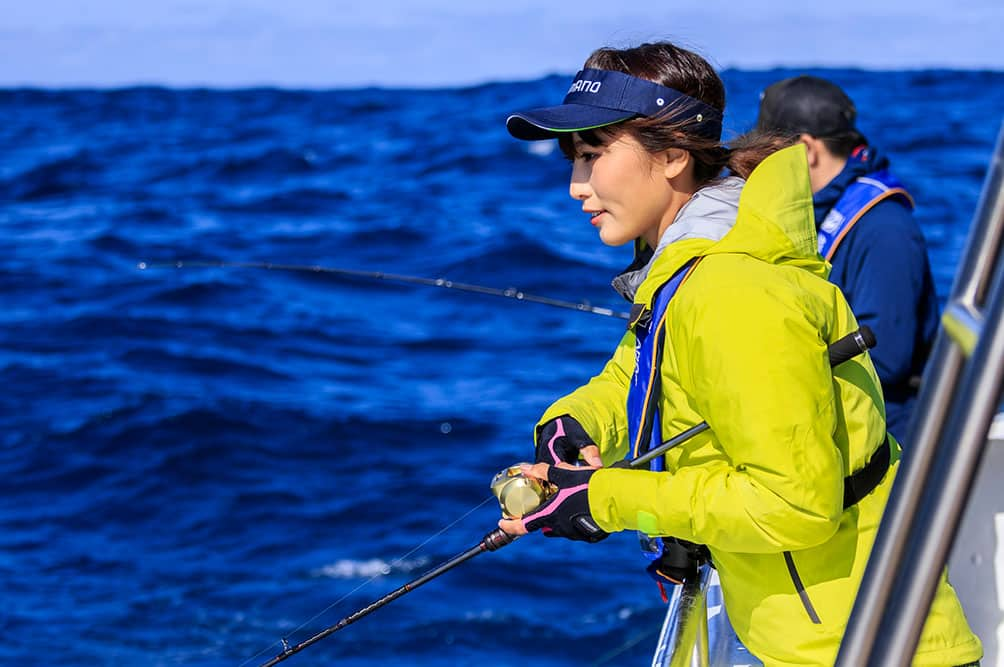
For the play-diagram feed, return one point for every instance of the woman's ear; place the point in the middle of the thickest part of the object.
(677, 161)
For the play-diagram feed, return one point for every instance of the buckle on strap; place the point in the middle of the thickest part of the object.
(640, 314)
(864, 481)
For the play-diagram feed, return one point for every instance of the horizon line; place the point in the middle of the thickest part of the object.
(433, 86)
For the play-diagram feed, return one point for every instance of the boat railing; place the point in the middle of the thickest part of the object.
(697, 631)
(683, 641)
(960, 394)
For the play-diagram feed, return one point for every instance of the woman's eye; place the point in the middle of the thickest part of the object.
(588, 156)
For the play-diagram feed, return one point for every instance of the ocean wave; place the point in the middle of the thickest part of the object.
(267, 163)
(215, 289)
(298, 201)
(73, 174)
(368, 569)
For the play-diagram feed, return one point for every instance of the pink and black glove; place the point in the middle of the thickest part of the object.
(560, 440)
(566, 513)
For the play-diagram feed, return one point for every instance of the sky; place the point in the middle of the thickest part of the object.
(431, 43)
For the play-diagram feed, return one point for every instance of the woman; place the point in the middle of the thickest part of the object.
(731, 318)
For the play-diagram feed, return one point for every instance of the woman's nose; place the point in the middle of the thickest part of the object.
(578, 187)
(578, 191)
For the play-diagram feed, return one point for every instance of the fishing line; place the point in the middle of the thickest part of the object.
(283, 642)
(630, 643)
(508, 293)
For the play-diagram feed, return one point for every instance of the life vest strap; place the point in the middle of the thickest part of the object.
(864, 481)
(857, 199)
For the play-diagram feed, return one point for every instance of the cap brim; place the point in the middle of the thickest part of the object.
(550, 122)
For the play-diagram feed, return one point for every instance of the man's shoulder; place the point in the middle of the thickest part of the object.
(886, 238)
(890, 218)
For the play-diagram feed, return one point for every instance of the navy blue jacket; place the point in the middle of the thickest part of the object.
(882, 268)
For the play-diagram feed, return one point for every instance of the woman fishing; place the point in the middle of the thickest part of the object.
(731, 318)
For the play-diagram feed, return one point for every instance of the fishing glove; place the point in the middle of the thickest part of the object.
(560, 440)
(566, 513)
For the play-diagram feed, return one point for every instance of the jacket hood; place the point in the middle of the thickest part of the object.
(709, 215)
(774, 223)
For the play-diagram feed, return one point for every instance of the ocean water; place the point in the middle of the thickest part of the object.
(199, 462)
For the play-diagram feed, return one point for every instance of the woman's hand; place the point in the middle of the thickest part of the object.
(564, 440)
(564, 514)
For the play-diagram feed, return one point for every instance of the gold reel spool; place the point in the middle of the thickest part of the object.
(518, 495)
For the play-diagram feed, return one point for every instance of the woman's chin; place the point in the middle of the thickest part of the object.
(611, 238)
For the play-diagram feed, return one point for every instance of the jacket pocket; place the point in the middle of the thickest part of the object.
(800, 588)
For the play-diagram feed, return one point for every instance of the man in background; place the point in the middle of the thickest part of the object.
(866, 231)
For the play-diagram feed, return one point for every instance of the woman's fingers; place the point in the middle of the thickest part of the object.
(536, 470)
(512, 526)
(591, 454)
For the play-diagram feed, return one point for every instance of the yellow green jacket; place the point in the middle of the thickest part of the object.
(746, 351)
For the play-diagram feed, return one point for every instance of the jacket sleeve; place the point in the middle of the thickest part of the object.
(757, 370)
(599, 405)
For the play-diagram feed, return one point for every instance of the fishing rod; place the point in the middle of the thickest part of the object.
(492, 542)
(519, 495)
(508, 292)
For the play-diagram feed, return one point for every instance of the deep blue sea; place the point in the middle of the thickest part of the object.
(199, 462)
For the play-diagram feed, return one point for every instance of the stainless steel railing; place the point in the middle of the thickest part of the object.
(683, 641)
(959, 397)
(697, 631)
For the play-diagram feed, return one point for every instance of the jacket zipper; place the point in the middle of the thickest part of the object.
(800, 588)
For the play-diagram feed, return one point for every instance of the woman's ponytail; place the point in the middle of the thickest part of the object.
(752, 148)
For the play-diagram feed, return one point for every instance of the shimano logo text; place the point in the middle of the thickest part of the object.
(585, 86)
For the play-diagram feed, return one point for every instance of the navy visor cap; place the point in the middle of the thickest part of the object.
(599, 97)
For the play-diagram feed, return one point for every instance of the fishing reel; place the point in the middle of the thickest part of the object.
(518, 495)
